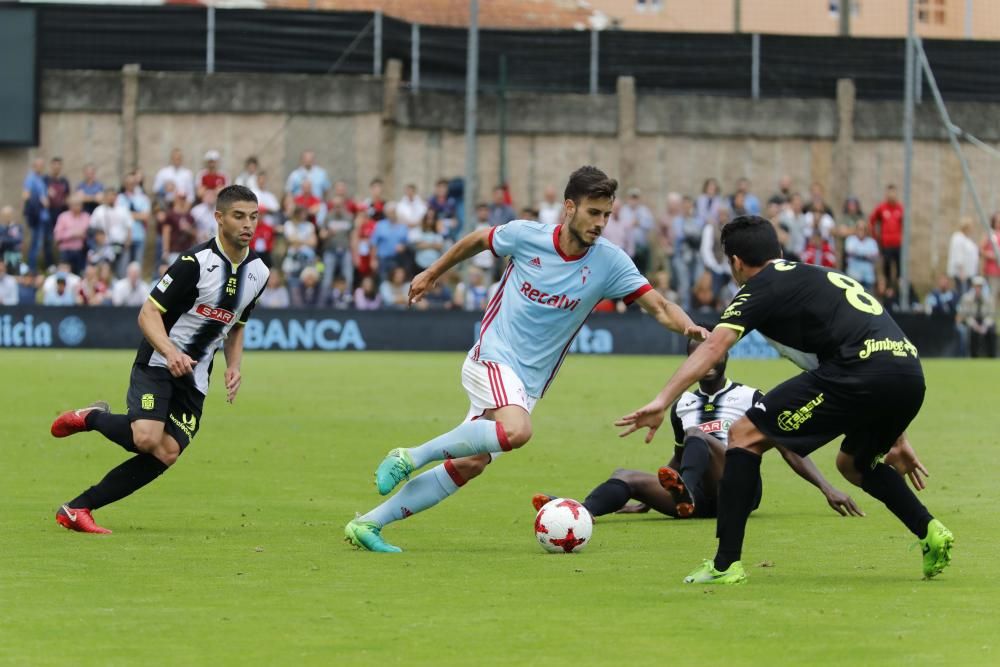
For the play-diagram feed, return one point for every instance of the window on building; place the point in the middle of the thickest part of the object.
(834, 7)
(932, 11)
(648, 5)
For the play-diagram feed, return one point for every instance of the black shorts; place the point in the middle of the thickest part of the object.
(153, 393)
(808, 411)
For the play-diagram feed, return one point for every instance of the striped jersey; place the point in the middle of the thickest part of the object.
(545, 296)
(202, 296)
(712, 414)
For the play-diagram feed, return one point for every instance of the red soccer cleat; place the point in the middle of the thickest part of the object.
(539, 499)
(671, 481)
(79, 520)
(74, 421)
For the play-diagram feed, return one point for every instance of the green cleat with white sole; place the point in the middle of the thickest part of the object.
(395, 467)
(707, 574)
(368, 535)
(937, 548)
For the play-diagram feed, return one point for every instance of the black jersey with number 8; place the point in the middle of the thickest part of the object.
(824, 313)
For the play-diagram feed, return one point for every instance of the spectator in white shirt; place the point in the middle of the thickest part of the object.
(8, 287)
(410, 209)
(712, 256)
(550, 208)
(308, 170)
(131, 290)
(248, 177)
(276, 295)
(179, 175)
(59, 292)
(116, 223)
(267, 201)
(204, 216)
(963, 257)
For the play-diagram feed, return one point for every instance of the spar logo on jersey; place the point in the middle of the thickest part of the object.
(560, 301)
(217, 314)
(715, 426)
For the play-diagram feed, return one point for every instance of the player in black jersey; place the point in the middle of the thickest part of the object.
(862, 380)
(198, 306)
(688, 485)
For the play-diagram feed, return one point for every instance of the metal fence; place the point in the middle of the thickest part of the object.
(241, 40)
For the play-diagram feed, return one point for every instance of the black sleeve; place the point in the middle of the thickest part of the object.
(758, 396)
(675, 421)
(177, 284)
(245, 315)
(748, 310)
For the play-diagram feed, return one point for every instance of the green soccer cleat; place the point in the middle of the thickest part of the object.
(367, 535)
(707, 574)
(937, 548)
(395, 467)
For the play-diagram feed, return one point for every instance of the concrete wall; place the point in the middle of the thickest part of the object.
(364, 126)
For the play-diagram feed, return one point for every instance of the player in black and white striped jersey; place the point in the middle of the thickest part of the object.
(688, 485)
(199, 306)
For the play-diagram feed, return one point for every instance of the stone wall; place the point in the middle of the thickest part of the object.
(363, 126)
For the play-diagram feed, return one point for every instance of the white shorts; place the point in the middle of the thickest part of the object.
(491, 385)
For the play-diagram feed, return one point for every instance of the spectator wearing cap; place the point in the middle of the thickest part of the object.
(9, 290)
(175, 172)
(636, 216)
(91, 188)
(977, 312)
(308, 170)
(71, 234)
(211, 178)
(131, 290)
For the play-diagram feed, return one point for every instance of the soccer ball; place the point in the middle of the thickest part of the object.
(563, 526)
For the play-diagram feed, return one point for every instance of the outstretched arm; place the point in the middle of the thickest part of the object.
(468, 246)
(808, 471)
(694, 368)
(670, 315)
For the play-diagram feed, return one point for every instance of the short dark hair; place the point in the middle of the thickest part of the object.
(752, 239)
(231, 194)
(589, 182)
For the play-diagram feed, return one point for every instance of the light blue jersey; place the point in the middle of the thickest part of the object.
(545, 297)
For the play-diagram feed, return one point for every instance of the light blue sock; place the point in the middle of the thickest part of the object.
(467, 439)
(425, 490)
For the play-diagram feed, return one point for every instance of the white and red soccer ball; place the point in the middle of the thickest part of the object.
(563, 526)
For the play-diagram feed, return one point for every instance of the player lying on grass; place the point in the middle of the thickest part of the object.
(556, 275)
(200, 305)
(688, 485)
(863, 380)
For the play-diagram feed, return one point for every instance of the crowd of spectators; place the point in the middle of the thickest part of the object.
(329, 247)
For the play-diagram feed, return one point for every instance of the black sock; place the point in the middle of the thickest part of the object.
(885, 484)
(116, 428)
(127, 478)
(737, 492)
(609, 497)
(694, 464)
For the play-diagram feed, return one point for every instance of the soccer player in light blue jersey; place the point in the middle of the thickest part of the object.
(555, 277)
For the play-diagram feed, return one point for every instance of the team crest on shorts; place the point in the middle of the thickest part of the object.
(148, 401)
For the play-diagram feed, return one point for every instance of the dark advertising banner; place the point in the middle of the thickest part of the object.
(333, 331)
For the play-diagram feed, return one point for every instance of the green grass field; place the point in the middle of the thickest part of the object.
(235, 556)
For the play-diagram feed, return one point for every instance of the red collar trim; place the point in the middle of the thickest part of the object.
(555, 242)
